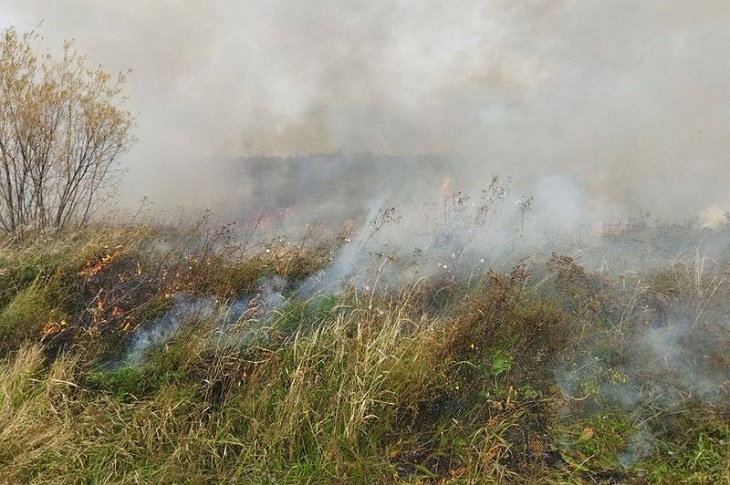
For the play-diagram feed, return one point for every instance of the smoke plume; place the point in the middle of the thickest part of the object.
(597, 108)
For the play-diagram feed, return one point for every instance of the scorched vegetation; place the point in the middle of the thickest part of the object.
(158, 354)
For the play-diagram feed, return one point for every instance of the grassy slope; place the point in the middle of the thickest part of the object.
(538, 374)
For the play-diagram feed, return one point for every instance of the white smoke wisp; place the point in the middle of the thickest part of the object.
(447, 234)
(164, 328)
(254, 311)
(662, 350)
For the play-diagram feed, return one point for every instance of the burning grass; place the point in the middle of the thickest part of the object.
(153, 355)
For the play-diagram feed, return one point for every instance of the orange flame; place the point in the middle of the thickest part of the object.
(93, 270)
(52, 328)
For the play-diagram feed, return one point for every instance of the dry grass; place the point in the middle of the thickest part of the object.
(503, 377)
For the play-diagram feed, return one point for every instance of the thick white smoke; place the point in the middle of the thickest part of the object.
(625, 100)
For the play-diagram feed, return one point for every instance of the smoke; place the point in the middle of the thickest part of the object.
(625, 101)
(599, 110)
(255, 309)
(163, 329)
(640, 445)
(338, 111)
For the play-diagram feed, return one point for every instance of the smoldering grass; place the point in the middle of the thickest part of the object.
(168, 325)
(657, 360)
(397, 375)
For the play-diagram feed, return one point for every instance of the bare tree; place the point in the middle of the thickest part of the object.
(62, 131)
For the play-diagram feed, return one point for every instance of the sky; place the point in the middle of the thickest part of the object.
(605, 107)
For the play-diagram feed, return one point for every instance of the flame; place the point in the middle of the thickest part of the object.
(127, 325)
(52, 328)
(93, 270)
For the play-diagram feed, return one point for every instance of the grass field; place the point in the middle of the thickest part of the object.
(138, 354)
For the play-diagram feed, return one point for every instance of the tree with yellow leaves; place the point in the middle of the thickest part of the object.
(62, 131)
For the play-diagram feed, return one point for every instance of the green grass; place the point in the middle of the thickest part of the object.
(543, 373)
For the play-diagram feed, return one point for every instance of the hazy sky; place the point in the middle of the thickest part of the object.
(626, 100)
